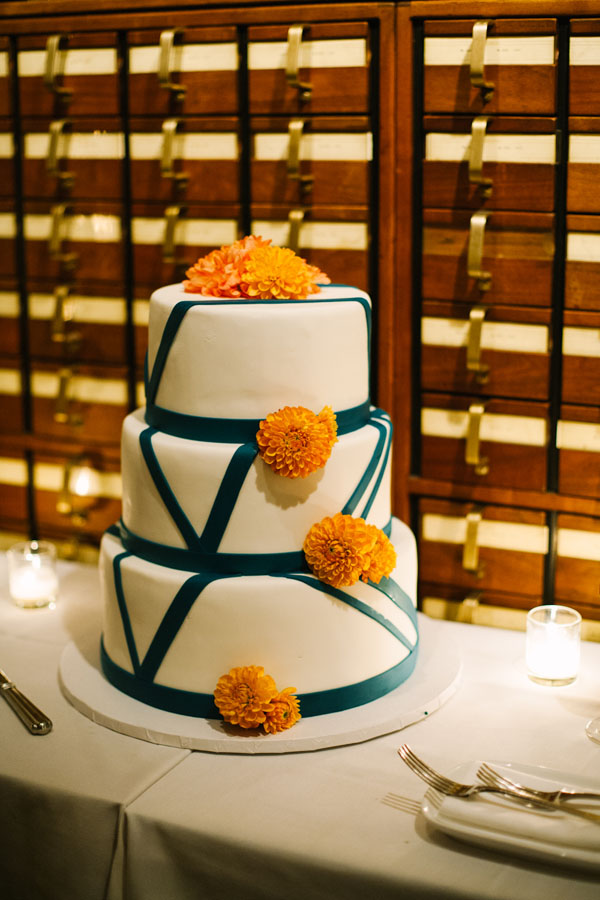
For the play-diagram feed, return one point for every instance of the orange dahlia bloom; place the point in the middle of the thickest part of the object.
(243, 696)
(383, 559)
(338, 549)
(219, 273)
(295, 442)
(276, 273)
(284, 711)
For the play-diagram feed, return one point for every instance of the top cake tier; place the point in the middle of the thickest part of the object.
(241, 359)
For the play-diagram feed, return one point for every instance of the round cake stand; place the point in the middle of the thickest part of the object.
(434, 680)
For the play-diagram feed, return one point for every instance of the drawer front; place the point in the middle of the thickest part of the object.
(577, 577)
(584, 59)
(10, 336)
(7, 152)
(583, 190)
(492, 258)
(496, 549)
(8, 241)
(184, 71)
(581, 357)
(14, 479)
(5, 83)
(11, 390)
(499, 443)
(502, 66)
(485, 351)
(316, 68)
(74, 73)
(496, 163)
(582, 266)
(578, 442)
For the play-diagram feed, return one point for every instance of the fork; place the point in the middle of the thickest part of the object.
(490, 776)
(456, 789)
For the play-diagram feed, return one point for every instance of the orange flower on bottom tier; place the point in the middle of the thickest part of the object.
(341, 549)
(295, 442)
(284, 711)
(244, 695)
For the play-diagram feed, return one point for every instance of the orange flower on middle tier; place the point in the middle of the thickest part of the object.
(338, 549)
(295, 442)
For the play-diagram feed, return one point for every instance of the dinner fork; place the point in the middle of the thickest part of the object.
(491, 776)
(456, 789)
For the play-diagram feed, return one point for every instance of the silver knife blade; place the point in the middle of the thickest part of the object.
(32, 717)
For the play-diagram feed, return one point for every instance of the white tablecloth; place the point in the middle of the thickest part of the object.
(91, 813)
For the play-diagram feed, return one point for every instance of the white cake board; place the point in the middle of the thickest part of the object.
(434, 680)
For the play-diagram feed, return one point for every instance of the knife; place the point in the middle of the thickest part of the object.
(32, 717)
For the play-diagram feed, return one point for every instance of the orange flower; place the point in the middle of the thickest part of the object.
(383, 559)
(244, 695)
(338, 550)
(295, 442)
(284, 711)
(218, 274)
(277, 273)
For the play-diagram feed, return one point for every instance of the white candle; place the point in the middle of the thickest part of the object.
(552, 647)
(32, 579)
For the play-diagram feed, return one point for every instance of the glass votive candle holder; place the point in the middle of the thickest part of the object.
(32, 578)
(552, 644)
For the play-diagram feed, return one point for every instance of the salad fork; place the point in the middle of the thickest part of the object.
(490, 776)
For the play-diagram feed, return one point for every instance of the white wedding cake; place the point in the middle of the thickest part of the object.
(210, 567)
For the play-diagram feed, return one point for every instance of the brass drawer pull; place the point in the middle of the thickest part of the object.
(295, 220)
(167, 42)
(172, 215)
(475, 250)
(53, 67)
(62, 411)
(470, 558)
(60, 332)
(57, 128)
(295, 131)
(473, 446)
(476, 176)
(68, 261)
(65, 504)
(170, 127)
(468, 607)
(477, 68)
(292, 66)
(474, 364)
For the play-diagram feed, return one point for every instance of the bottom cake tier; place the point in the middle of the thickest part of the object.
(169, 634)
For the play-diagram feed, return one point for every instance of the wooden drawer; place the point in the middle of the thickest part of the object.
(8, 243)
(584, 59)
(187, 158)
(578, 442)
(485, 351)
(334, 239)
(184, 71)
(494, 442)
(485, 548)
(483, 257)
(78, 494)
(82, 158)
(14, 480)
(581, 357)
(82, 403)
(582, 266)
(88, 326)
(519, 66)
(141, 313)
(583, 189)
(501, 610)
(86, 79)
(10, 337)
(168, 240)
(332, 68)
(577, 575)
(314, 161)
(11, 396)
(5, 85)
(496, 163)
(76, 240)
(7, 152)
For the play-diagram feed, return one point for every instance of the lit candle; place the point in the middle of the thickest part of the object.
(552, 645)
(32, 579)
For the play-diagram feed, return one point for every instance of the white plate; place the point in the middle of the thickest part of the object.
(492, 821)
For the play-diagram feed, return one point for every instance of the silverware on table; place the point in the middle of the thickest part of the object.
(456, 789)
(33, 718)
(558, 797)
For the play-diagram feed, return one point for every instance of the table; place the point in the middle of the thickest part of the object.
(89, 813)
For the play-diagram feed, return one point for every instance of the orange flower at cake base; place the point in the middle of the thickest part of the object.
(276, 273)
(283, 712)
(295, 442)
(244, 695)
(341, 549)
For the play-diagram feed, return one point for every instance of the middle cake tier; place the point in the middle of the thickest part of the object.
(222, 498)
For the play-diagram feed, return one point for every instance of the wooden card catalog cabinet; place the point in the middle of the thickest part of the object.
(184, 157)
(183, 70)
(494, 442)
(74, 73)
(81, 403)
(582, 266)
(492, 66)
(495, 162)
(78, 494)
(79, 158)
(9, 323)
(14, 479)
(68, 325)
(312, 68)
(319, 160)
(584, 59)
(496, 549)
(489, 257)
(577, 578)
(578, 442)
(11, 400)
(485, 350)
